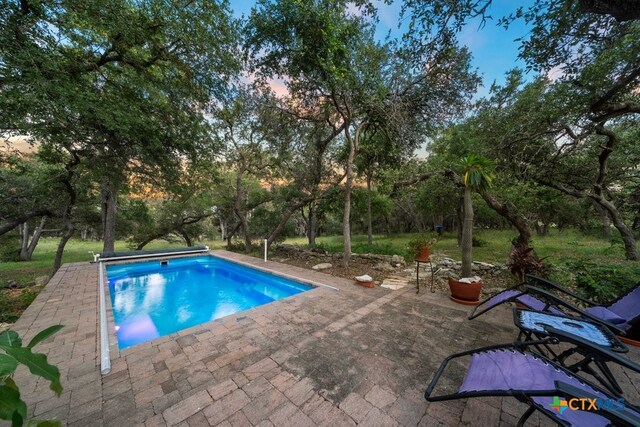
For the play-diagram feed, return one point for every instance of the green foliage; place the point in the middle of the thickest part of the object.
(12, 407)
(381, 209)
(28, 182)
(362, 247)
(599, 281)
(264, 221)
(10, 247)
(477, 242)
(477, 172)
(523, 260)
(419, 242)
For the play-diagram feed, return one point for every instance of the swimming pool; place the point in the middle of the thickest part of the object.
(150, 300)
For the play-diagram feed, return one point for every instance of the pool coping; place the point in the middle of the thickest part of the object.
(114, 352)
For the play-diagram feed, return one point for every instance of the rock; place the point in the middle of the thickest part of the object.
(444, 272)
(397, 261)
(12, 284)
(322, 266)
(42, 280)
(383, 266)
(453, 275)
(472, 279)
(484, 264)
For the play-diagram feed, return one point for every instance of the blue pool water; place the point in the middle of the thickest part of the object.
(150, 300)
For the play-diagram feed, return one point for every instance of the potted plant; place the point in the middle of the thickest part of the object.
(465, 290)
(477, 177)
(420, 247)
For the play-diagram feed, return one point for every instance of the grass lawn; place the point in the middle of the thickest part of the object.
(564, 249)
(496, 245)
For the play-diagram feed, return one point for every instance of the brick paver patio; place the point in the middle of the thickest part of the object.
(323, 357)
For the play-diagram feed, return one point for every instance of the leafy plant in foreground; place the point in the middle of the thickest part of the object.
(12, 407)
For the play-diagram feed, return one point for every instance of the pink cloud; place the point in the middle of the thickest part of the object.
(279, 87)
(555, 73)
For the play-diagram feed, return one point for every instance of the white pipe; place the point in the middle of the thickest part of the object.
(105, 354)
(265, 250)
(154, 255)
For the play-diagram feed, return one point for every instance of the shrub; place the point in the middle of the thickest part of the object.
(523, 260)
(478, 243)
(13, 408)
(599, 281)
(416, 244)
(10, 247)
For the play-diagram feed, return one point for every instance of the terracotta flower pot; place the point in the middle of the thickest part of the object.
(465, 293)
(369, 284)
(424, 254)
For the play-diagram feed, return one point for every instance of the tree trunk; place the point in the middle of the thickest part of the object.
(5, 228)
(247, 234)
(186, 237)
(508, 211)
(369, 227)
(223, 230)
(63, 242)
(313, 223)
(283, 222)
(606, 221)
(631, 250)
(240, 211)
(68, 212)
(27, 252)
(109, 206)
(538, 227)
(230, 235)
(459, 222)
(467, 233)
(346, 217)
(24, 243)
(148, 240)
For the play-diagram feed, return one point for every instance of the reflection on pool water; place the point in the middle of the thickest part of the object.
(151, 300)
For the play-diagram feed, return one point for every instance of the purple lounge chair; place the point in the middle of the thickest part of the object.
(507, 370)
(518, 293)
(619, 316)
(592, 344)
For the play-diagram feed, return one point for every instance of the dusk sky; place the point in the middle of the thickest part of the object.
(494, 49)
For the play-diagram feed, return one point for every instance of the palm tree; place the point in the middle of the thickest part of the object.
(477, 177)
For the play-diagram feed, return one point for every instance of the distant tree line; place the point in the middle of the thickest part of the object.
(160, 121)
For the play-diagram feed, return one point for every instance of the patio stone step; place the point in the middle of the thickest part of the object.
(395, 282)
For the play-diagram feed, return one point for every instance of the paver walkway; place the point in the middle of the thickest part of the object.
(323, 357)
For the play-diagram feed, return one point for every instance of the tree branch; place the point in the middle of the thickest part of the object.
(408, 183)
(607, 149)
(13, 223)
(617, 87)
